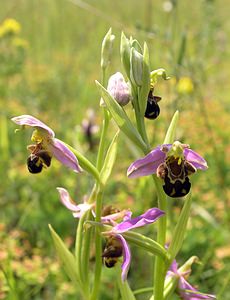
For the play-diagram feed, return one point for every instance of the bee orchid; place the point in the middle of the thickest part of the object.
(117, 246)
(173, 163)
(185, 290)
(46, 146)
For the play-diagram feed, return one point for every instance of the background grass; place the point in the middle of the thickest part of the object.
(56, 84)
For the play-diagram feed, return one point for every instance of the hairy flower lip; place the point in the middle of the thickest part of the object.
(48, 141)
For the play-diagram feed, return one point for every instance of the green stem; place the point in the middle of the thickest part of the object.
(126, 292)
(78, 249)
(86, 252)
(101, 150)
(98, 250)
(143, 290)
(160, 269)
(141, 123)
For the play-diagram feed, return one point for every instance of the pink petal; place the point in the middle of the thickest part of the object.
(126, 257)
(195, 159)
(64, 155)
(188, 292)
(66, 199)
(27, 120)
(147, 165)
(77, 209)
(148, 217)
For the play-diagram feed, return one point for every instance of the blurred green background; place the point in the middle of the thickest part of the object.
(48, 69)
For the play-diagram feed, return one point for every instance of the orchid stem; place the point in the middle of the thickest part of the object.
(99, 197)
(101, 150)
(78, 244)
(98, 250)
(160, 268)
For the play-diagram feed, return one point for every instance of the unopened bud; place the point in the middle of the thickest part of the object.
(119, 89)
(125, 53)
(136, 68)
(106, 49)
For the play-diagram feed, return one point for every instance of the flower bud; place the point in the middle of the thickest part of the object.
(106, 49)
(125, 53)
(119, 89)
(136, 68)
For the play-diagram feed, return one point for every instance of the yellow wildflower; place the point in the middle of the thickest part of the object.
(9, 26)
(185, 85)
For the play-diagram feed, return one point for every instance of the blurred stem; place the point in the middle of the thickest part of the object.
(143, 290)
(4, 141)
(217, 156)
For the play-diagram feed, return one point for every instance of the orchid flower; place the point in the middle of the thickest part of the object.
(77, 209)
(173, 163)
(117, 246)
(109, 216)
(46, 146)
(186, 290)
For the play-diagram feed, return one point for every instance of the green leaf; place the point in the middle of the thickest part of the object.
(179, 231)
(121, 118)
(65, 256)
(144, 89)
(146, 243)
(171, 132)
(109, 160)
